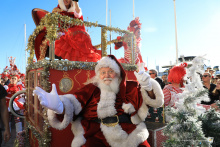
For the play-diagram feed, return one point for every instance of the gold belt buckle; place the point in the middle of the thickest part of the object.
(111, 124)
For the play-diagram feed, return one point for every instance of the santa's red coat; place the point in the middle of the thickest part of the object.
(89, 103)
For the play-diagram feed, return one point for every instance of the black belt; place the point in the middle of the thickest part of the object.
(114, 120)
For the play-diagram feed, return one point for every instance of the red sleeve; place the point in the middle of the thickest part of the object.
(84, 94)
(167, 96)
(133, 95)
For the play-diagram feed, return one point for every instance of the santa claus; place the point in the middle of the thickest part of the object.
(108, 110)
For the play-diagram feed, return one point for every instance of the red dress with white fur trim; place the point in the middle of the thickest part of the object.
(74, 44)
(18, 102)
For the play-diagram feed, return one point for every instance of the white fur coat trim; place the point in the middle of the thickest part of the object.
(71, 9)
(116, 137)
(106, 105)
(78, 132)
(143, 111)
(128, 108)
(141, 114)
(135, 119)
(158, 102)
(68, 116)
(76, 104)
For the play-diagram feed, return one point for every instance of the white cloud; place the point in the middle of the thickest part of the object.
(150, 29)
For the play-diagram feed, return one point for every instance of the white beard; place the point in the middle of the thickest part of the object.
(106, 105)
(112, 87)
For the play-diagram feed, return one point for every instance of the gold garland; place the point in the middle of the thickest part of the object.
(55, 22)
(43, 141)
(43, 49)
(64, 65)
(104, 42)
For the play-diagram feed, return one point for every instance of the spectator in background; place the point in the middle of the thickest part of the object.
(211, 71)
(153, 75)
(217, 76)
(7, 81)
(4, 115)
(21, 82)
(164, 80)
(214, 80)
(207, 69)
(2, 82)
(17, 104)
(206, 78)
(175, 77)
(216, 93)
(217, 73)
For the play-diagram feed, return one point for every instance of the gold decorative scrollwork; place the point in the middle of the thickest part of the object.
(78, 72)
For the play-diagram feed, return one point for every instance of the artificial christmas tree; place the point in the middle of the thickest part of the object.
(185, 127)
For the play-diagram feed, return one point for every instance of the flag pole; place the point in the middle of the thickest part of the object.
(176, 32)
(25, 46)
(133, 10)
(110, 32)
(106, 12)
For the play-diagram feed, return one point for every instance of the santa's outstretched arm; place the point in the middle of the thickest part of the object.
(58, 104)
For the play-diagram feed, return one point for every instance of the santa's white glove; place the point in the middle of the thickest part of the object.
(50, 100)
(143, 78)
(6, 87)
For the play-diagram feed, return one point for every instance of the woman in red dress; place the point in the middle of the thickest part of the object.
(74, 44)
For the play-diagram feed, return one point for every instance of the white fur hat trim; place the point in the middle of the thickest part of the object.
(107, 62)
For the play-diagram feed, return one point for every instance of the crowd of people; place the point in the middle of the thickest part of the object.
(12, 81)
(172, 83)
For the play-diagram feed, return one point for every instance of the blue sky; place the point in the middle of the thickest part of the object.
(198, 27)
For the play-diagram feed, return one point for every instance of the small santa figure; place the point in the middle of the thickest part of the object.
(155, 110)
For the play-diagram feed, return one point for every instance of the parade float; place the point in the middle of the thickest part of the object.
(69, 76)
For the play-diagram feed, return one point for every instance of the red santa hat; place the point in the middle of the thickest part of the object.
(107, 62)
(111, 62)
(177, 73)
